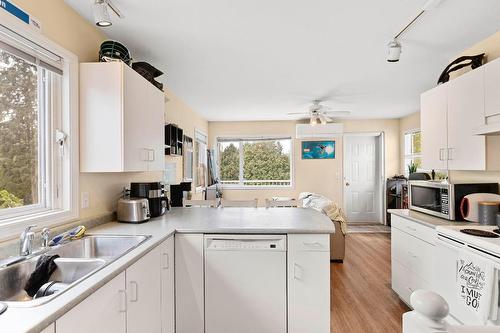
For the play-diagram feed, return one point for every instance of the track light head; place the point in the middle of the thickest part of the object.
(101, 15)
(394, 51)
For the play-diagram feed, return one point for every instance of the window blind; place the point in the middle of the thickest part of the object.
(22, 47)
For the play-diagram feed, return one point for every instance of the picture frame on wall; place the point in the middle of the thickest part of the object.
(318, 150)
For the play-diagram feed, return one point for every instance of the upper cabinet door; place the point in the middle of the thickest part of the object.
(144, 107)
(433, 123)
(466, 151)
(492, 88)
(121, 120)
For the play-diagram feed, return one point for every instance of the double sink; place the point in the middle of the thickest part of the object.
(77, 260)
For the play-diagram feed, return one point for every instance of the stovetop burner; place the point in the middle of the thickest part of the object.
(481, 233)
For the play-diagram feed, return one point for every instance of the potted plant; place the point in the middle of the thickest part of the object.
(412, 167)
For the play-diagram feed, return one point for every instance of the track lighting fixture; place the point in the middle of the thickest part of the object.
(394, 51)
(101, 14)
(395, 45)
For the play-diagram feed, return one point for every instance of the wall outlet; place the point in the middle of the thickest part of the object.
(85, 197)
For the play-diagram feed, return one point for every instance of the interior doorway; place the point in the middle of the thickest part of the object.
(364, 177)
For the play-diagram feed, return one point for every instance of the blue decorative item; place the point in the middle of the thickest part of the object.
(313, 150)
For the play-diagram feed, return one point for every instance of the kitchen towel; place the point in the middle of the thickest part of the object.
(475, 284)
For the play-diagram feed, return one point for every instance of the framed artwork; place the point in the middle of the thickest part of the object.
(313, 150)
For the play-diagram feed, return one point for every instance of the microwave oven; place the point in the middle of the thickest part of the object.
(443, 199)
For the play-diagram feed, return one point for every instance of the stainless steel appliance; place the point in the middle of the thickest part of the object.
(443, 199)
(132, 210)
(154, 192)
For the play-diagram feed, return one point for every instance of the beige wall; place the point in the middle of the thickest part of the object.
(177, 112)
(320, 176)
(65, 27)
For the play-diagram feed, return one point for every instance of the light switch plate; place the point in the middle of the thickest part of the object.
(85, 197)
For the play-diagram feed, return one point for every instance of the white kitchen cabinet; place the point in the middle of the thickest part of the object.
(49, 329)
(308, 283)
(121, 120)
(167, 286)
(412, 257)
(466, 151)
(492, 88)
(103, 311)
(189, 284)
(433, 124)
(143, 294)
(450, 115)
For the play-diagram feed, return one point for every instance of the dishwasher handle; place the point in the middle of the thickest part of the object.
(245, 243)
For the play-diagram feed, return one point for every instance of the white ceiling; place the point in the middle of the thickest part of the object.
(259, 59)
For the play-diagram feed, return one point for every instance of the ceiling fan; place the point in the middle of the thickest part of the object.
(319, 113)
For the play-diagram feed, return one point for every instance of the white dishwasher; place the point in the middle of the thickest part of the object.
(245, 283)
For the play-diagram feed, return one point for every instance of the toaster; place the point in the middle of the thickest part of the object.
(132, 210)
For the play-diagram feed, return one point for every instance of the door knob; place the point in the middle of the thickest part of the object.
(347, 184)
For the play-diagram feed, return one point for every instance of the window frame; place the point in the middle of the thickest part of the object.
(411, 156)
(240, 185)
(64, 179)
(197, 134)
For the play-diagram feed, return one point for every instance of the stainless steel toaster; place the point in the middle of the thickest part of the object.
(133, 210)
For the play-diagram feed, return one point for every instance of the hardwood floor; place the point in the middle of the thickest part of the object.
(361, 294)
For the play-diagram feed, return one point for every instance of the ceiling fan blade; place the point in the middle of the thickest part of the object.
(295, 113)
(327, 119)
(338, 112)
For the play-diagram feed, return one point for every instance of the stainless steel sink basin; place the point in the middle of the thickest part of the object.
(99, 246)
(77, 261)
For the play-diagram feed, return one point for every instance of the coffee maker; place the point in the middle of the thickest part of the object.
(155, 193)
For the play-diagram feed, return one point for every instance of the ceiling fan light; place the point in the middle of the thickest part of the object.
(323, 119)
(313, 121)
(101, 14)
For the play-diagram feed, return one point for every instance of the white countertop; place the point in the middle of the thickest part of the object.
(180, 220)
(428, 220)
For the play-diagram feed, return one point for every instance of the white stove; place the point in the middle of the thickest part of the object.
(460, 257)
(490, 245)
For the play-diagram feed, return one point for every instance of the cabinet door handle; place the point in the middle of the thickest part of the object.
(450, 155)
(134, 296)
(166, 261)
(297, 272)
(441, 155)
(411, 229)
(313, 244)
(123, 301)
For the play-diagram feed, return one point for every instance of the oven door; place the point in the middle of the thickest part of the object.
(430, 198)
(448, 252)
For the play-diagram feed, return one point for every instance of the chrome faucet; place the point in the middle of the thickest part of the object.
(26, 241)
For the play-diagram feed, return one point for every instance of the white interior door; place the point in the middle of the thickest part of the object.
(362, 178)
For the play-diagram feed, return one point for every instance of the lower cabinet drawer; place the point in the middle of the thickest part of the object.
(416, 255)
(414, 229)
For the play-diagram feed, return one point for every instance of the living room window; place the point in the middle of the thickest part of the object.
(38, 143)
(413, 151)
(255, 162)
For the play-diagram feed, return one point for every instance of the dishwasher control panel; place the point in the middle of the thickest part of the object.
(245, 242)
